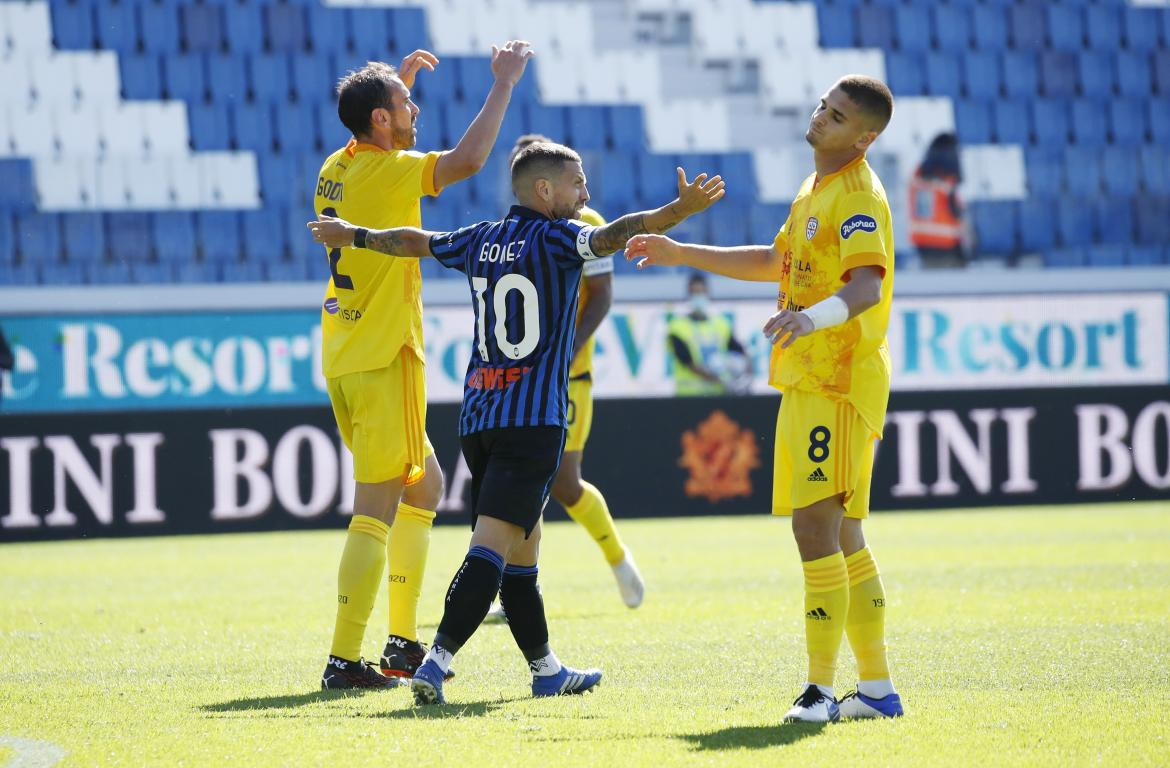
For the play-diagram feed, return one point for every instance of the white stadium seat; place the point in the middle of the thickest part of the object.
(66, 183)
(32, 132)
(166, 129)
(96, 77)
(228, 180)
(75, 128)
(51, 79)
(993, 172)
(123, 129)
(25, 29)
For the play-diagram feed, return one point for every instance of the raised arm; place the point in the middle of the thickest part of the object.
(473, 149)
(693, 197)
(759, 263)
(399, 241)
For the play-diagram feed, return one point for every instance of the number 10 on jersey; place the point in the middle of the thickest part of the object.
(530, 306)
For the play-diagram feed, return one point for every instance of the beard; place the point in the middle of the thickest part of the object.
(404, 139)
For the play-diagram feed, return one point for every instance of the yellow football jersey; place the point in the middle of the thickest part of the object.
(583, 363)
(841, 222)
(373, 303)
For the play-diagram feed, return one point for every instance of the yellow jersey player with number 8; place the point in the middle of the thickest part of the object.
(372, 349)
(834, 261)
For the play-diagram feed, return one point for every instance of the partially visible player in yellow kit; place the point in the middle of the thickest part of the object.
(834, 261)
(372, 349)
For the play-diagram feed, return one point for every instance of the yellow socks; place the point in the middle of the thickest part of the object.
(358, 578)
(592, 513)
(410, 539)
(866, 624)
(826, 605)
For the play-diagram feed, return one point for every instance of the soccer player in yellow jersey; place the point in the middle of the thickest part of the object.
(834, 262)
(372, 349)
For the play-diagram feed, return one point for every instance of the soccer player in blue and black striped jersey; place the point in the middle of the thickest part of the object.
(524, 273)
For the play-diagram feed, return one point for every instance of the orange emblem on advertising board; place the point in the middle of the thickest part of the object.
(720, 457)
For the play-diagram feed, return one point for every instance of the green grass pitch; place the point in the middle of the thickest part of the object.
(1017, 637)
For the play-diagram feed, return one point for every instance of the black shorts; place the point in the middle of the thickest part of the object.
(512, 469)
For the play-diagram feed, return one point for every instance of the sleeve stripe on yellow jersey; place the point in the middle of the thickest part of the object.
(428, 174)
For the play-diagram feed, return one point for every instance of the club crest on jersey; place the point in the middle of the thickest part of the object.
(810, 228)
(858, 221)
(331, 305)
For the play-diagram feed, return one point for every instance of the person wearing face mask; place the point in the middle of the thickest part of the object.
(701, 345)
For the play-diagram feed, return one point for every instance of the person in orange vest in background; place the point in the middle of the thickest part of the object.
(938, 226)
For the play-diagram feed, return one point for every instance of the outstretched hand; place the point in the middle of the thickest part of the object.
(414, 63)
(653, 251)
(508, 62)
(332, 232)
(700, 194)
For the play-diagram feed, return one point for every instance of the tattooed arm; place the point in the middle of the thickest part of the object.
(693, 197)
(399, 241)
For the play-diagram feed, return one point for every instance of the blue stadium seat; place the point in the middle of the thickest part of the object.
(334, 135)
(835, 26)
(739, 171)
(912, 29)
(1146, 256)
(1088, 123)
(160, 27)
(293, 271)
(587, 129)
(371, 32)
(1127, 122)
(264, 236)
(1050, 121)
(626, 126)
(989, 25)
(875, 26)
(1154, 169)
(252, 127)
(278, 180)
(731, 228)
(1159, 112)
(456, 117)
(329, 26)
(440, 87)
(1011, 121)
(1140, 26)
(56, 274)
(995, 227)
(208, 124)
(117, 26)
(38, 237)
(1021, 74)
(245, 28)
(1074, 221)
(1065, 258)
(141, 76)
(618, 176)
(1066, 27)
(303, 248)
(981, 69)
(269, 74)
(111, 273)
(193, 272)
(1027, 27)
(202, 27)
(227, 78)
(905, 74)
(84, 236)
(18, 192)
(285, 26)
(952, 26)
(1096, 74)
(185, 78)
(1162, 71)
(7, 245)
(942, 75)
(551, 121)
(174, 235)
(1103, 26)
(1114, 218)
(129, 236)
(1082, 171)
(313, 81)
(1134, 75)
(1037, 225)
(657, 181)
(1058, 74)
(219, 236)
(73, 27)
(296, 129)
(429, 126)
(409, 28)
(1108, 255)
(474, 76)
(973, 121)
(1120, 165)
(1152, 216)
(152, 273)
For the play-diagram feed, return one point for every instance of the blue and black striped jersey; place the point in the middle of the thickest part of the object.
(524, 274)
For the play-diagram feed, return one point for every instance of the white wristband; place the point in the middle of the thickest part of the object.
(825, 314)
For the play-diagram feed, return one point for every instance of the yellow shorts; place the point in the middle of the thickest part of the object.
(823, 448)
(580, 415)
(382, 417)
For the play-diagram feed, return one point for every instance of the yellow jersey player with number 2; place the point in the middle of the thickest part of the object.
(372, 349)
(834, 262)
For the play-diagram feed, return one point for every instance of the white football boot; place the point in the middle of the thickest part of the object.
(856, 705)
(813, 706)
(629, 581)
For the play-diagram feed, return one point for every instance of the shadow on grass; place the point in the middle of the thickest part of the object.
(403, 706)
(288, 701)
(752, 736)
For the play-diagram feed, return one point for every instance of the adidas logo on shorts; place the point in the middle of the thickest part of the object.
(818, 476)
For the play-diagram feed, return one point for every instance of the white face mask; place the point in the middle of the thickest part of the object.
(700, 303)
